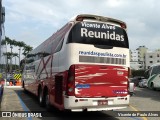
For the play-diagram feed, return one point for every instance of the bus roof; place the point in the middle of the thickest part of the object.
(82, 17)
(156, 64)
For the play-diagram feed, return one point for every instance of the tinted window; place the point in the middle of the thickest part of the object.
(45, 49)
(30, 58)
(156, 70)
(59, 46)
(98, 34)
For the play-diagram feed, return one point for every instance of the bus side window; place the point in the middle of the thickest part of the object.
(155, 70)
(30, 58)
(59, 46)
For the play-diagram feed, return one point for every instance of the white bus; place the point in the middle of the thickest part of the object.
(83, 66)
(153, 77)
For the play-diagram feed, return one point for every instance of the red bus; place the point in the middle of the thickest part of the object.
(83, 66)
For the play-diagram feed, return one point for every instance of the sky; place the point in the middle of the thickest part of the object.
(33, 21)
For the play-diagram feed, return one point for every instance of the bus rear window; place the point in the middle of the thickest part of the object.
(98, 34)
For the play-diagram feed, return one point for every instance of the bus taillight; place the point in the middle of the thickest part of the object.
(82, 17)
(71, 81)
(79, 18)
(123, 25)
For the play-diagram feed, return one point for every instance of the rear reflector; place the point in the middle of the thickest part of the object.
(71, 81)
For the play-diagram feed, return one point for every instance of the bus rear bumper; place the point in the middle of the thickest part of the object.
(95, 104)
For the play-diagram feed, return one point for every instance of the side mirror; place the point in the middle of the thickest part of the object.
(131, 88)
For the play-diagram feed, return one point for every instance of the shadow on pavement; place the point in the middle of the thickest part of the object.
(147, 93)
(32, 104)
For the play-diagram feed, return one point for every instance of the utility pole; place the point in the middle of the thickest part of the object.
(11, 60)
(19, 57)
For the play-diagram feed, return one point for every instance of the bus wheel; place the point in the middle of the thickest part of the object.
(152, 86)
(47, 103)
(24, 89)
(40, 98)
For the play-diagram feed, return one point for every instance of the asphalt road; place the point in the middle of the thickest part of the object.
(143, 100)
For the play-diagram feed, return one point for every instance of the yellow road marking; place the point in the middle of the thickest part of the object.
(144, 118)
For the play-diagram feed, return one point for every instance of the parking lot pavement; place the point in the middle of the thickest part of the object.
(144, 100)
(10, 101)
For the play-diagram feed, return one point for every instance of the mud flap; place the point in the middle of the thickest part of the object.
(58, 89)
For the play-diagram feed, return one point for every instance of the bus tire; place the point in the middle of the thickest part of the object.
(23, 84)
(47, 103)
(40, 98)
(152, 86)
(24, 89)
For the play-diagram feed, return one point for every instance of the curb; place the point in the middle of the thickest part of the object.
(12, 86)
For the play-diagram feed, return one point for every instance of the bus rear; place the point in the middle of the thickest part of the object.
(96, 57)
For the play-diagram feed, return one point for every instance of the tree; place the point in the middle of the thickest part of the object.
(11, 43)
(3, 42)
(7, 41)
(8, 56)
(20, 44)
(27, 49)
(15, 55)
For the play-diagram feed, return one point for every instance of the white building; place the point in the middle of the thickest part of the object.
(135, 65)
(141, 53)
(2, 34)
(142, 58)
(152, 57)
(135, 62)
(133, 55)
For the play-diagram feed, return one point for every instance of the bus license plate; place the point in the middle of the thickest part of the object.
(102, 102)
